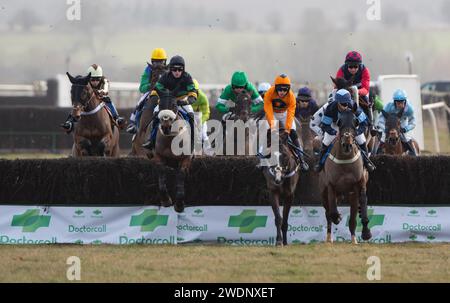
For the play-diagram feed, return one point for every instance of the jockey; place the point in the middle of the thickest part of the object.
(180, 84)
(153, 71)
(279, 104)
(306, 105)
(353, 67)
(239, 83)
(202, 106)
(343, 101)
(262, 88)
(401, 107)
(100, 85)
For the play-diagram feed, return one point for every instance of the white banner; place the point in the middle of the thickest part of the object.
(231, 225)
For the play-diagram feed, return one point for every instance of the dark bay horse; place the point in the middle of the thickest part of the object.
(281, 180)
(244, 139)
(344, 176)
(143, 131)
(394, 144)
(172, 150)
(95, 134)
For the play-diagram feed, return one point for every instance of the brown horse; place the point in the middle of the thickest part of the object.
(143, 131)
(95, 133)
(281, 180)
(344, 176)
(171, 150)
(241, 115)
(394, 144)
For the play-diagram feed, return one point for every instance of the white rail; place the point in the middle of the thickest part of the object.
(429, 108)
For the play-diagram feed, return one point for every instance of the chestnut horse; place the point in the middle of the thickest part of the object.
(95, 132)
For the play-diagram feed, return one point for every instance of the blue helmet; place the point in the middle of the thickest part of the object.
(400, 95)
(342, 96)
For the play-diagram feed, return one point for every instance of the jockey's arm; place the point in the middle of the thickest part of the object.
(268, 108)
(411, 119)
(257, 104)
(202, 100)
(222, 101)
(327, 120)
(145, 81)
(290, 111)
(378, 104)
(365, 83)
(105, 89)
(363, 121)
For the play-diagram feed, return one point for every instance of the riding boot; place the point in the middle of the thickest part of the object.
(367, 163)
(371, 122)
(299, 151)
(410, 148)
(69, 124)
(112, 108)
(151, 143)
(319, 166)
(192, 127)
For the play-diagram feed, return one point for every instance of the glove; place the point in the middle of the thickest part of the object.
(191, 100)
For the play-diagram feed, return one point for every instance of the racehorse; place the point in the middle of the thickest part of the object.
(306, 134)
(281, 180)
(344, 176)
(169, 154)
(144, 122)
(95, 132)
(394, 144)
(241, 115)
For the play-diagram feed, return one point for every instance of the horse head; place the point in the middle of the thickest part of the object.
(341, 83)
(81, 93)
(168, 111)
(392, 128)
(347, 124)
(243, 106)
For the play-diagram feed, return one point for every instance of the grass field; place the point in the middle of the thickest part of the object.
(410, 262)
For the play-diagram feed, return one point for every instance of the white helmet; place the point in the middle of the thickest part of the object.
(263, 87)
(95, 70)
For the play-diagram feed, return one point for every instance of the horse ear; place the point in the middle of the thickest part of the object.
(71, 78)
(334, 80)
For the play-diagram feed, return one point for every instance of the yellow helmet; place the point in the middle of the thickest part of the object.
(159, 54)
(196, 85)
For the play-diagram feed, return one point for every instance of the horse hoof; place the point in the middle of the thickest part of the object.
(179, 207)
(336, 218)
(366, 235)
(285, 243)
(354, 241)
(279, 243)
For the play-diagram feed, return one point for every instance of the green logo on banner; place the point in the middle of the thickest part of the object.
(97, 212)
(413, 237)
(296, 211)
(30, 220)
(78, 212)
(374, 220)
(247, 221)
(96, 242)
(149, 220)
(78, 242)
(413, 212)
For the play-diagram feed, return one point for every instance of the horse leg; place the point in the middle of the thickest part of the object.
(166, 201)
(366, 234)
(286, 209)
(278, 219)
(334, 213)
(179, 199)
(353, 199)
